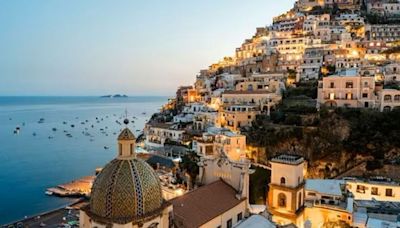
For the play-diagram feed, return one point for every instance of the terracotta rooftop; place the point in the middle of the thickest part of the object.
(205, 203)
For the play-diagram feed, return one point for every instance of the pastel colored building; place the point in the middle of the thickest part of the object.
(347, 89)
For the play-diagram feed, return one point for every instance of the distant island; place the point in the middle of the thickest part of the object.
(115, 96)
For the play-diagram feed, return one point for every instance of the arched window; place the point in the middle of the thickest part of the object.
(397, 97)
(250, 87)
(283, 180)
(281, 200)
(387, 98)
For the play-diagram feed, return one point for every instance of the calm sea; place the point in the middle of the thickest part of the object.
(41, 155)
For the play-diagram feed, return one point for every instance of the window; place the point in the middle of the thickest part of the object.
(374, 191)
(365, 95)
(281, 200)
(389, 192)
(397, 97)
(387, 98)
(120, 149)
(360, 189)
(283, 180)
(332, 96)
(349, 84)
(239, 217)
(229, 223)
(349, 96)
(300, 200)
(332, 85)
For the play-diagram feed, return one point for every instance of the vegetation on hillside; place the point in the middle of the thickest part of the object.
(189, 166)
(333, 132)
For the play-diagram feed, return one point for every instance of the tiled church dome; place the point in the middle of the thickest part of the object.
(126, 190)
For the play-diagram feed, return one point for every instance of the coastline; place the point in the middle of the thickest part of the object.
(42, 215)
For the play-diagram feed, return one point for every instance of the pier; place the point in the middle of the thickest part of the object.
(76, 188)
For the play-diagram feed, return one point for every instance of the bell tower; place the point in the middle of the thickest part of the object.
(286, 190)
(126, 143)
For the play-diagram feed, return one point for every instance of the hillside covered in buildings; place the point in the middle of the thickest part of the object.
(300, 128)
(322, 81)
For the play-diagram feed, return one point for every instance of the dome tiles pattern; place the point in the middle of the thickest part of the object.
(126, 191)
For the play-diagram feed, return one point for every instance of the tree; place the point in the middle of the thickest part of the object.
(189, 166)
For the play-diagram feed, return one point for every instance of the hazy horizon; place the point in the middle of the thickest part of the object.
(94, 48)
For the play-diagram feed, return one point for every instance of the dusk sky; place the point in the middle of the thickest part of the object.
(93, 47)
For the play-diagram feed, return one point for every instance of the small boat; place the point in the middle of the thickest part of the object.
(50, 137)
(15, 132)
(54, 129)
(34, 134)
(64, 122)
(72, 125)
(49, 193)
(106, 147)
(69, 135)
